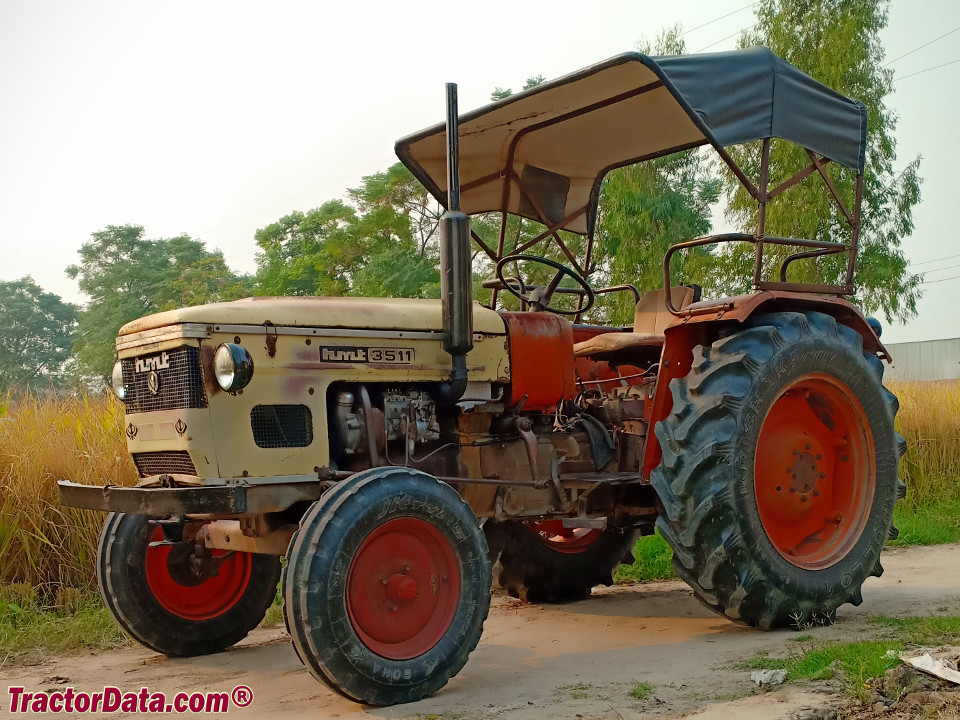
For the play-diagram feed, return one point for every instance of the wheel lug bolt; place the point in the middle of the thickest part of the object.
(779, 488)
(808, 446)
(393, 608)
(803, 498)
(816, 493)
(819, 457)
(383, 581)
(405, 567)
(793, 489)
(796, 452)
(822, 475)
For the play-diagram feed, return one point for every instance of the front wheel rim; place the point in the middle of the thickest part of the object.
(197, 602)
(815, 471)
(403, 588)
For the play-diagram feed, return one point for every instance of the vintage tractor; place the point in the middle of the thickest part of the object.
(401, 452)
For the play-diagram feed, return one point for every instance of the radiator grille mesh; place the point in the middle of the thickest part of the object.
(164, 462)
(179, 385)
(281, 426)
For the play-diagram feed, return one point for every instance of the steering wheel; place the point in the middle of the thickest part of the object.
(538, 297)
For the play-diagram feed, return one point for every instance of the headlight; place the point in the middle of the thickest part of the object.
(233, 367)
(116, 380)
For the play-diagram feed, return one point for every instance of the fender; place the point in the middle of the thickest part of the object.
(703, 322)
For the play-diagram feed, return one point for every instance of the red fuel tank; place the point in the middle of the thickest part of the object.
(541, 360)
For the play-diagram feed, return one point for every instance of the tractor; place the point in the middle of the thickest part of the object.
(406, 455)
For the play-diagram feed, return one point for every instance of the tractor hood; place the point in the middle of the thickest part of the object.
(328, 312)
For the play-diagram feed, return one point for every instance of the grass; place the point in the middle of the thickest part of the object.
(641, 690)
(932, 524)
(860, 661)
(652, 561)
(578, 691)
(30, 631)
(42, 544)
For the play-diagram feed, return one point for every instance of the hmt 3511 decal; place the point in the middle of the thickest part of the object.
(341, 354)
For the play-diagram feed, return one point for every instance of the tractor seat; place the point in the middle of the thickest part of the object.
(650, 319)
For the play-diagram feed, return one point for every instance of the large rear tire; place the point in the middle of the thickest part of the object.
(386, 586)
(779, 471)
(149, 592)
(542, 562)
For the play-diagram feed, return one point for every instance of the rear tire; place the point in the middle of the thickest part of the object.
(540, 564)
(157, 611)
(386, 586)
(779, 471)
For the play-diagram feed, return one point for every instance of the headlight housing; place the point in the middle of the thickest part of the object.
(233, 367)
(116, 380)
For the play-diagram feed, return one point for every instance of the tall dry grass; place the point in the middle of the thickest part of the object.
(929, 420)
(43, 439)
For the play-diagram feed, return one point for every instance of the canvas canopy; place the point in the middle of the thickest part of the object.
(559, 139)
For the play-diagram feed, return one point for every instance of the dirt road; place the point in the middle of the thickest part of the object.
(533, 662)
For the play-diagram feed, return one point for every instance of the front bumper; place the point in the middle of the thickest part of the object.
(221, 500)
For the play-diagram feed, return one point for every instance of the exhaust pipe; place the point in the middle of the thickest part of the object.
(456, 279)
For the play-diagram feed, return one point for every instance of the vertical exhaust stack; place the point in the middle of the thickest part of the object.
(456, 280)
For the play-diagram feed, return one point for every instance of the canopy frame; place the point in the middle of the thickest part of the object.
(760, 191)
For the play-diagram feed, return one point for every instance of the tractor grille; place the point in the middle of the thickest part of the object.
(281, 426)
(179, 382)
(164, 462)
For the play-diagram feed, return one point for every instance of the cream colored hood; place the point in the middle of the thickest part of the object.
(328, 312)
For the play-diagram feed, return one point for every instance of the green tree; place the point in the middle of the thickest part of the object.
(36, 335)
(837, 43)
(128, 276)
(381, 242)
(647, 207)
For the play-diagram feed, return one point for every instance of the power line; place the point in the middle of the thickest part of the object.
(931, 282)
(921, 72)
(921, 47)
(947, 267)
(717, 19)
(741, 30)
(927, 262)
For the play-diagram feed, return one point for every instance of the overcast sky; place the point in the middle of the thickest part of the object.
(216, 118)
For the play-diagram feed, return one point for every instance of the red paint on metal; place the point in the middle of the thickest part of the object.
(814, 472)
(211, 598)
(569, 541)
(541, 360)
(675, 362)
(403, 588)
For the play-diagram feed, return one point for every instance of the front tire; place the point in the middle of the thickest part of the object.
(386, 586)
(144, 590)
(779, 471)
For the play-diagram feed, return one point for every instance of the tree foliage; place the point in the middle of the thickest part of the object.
(381, 243)
(647, 207)
(836, 42)
(128, 276)
(37, 334)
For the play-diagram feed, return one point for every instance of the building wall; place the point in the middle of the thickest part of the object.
(926, 360)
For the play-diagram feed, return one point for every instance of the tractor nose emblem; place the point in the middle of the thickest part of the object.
(132, 431)
(153, 382)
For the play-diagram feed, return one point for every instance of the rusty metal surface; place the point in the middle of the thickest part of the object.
(541, 353)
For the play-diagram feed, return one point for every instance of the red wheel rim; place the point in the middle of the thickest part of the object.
(403, 588)
(213, 597)
(815, 472)
(566, 540)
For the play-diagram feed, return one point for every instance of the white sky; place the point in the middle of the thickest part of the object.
(216, 118)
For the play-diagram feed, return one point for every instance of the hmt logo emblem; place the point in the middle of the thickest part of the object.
(343, 354)
(157, 362)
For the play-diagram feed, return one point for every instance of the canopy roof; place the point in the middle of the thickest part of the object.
(559, 139)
